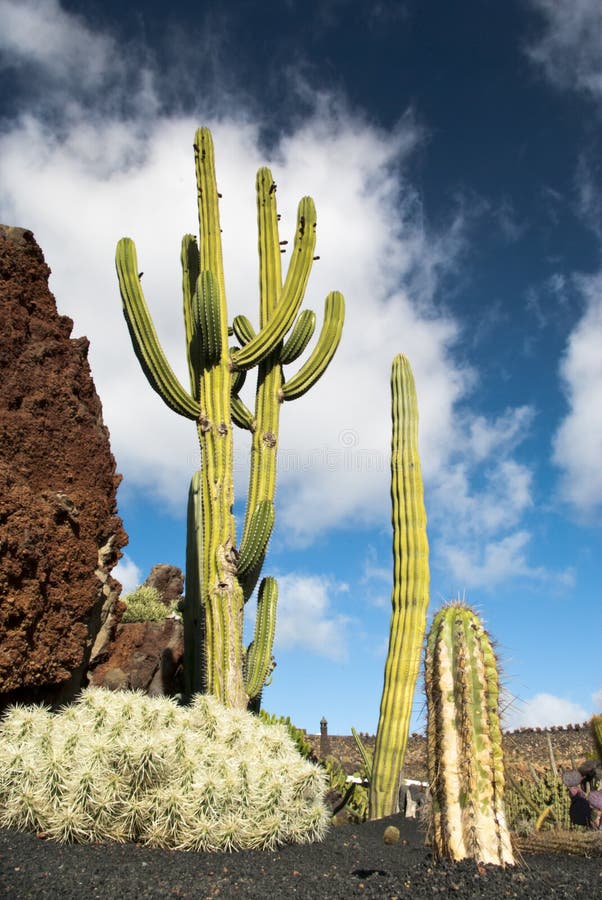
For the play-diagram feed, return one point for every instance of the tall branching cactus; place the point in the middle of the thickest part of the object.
(464, 740)
(410, 595)
(221, 575)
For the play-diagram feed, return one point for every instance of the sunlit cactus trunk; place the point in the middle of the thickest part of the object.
(410, 595)
(221, 574)
(464, 740)
(596, 726)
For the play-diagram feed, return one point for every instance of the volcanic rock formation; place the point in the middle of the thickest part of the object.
(167, 580)
(60, 535)
(144, 656)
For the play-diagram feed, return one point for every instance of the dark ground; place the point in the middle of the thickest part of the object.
(353, 861)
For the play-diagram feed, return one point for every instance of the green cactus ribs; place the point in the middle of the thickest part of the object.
(464, 740)
(221, 575)
(410, 594)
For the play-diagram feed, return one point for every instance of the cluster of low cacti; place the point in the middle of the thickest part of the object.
(464, 740)
(145, 605)
(221, 574)
(354, 793)
(125, 767)
(529, 803)
(410, 595)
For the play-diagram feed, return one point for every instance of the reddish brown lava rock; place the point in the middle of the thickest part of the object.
(60, 535)
(167, 580)
(145, 656)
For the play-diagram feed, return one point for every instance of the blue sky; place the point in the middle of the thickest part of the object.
(453, 155)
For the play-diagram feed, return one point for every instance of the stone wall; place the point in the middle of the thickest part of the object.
(571, 746)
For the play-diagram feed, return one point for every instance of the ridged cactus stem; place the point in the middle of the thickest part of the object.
(222, 594)
(193, 611)
(597, 734)
(464, 740)
(262, 475)
(409, 598)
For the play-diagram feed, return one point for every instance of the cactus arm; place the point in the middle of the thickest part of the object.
(259, 653)
(253, 546)
(144, 337)
(238, 380)
(207, 316)
(262, 473)
(243, 329)
(193, 611)
(326, 346)
(365, 755)
(464, 742)
(299, 337)
(189, 258)
(241, 414)
(280, 321)
(409, 598)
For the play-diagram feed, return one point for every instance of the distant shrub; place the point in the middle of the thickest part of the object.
(145, 605)
(122, 766)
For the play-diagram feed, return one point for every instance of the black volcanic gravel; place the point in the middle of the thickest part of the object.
(353, 861)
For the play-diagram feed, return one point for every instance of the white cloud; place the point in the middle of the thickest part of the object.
(43, 33)
(307, 618)
(102, 178)
(74, 66)
(485, 564)
(568, 49)
(569, 53)
(578, 441)
(542, 711)
(128, 573)
(597, 699)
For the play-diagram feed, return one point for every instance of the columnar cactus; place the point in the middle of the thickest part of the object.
(410, 595)
(596, 726)
(221, 575)
(464, 740)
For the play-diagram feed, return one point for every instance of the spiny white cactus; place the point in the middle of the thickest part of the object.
(122, 766)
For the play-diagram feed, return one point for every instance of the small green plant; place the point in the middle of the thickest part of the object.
(121, 766)
(145, 605)
(354, 793)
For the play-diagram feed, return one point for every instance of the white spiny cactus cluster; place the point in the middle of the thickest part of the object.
(122, 766)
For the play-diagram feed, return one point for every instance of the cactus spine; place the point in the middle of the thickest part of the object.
(409, 598)
(221, 576)
(464, 740)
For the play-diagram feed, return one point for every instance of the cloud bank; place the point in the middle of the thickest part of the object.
(96, 157)
(567, 51)
(568, 47)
